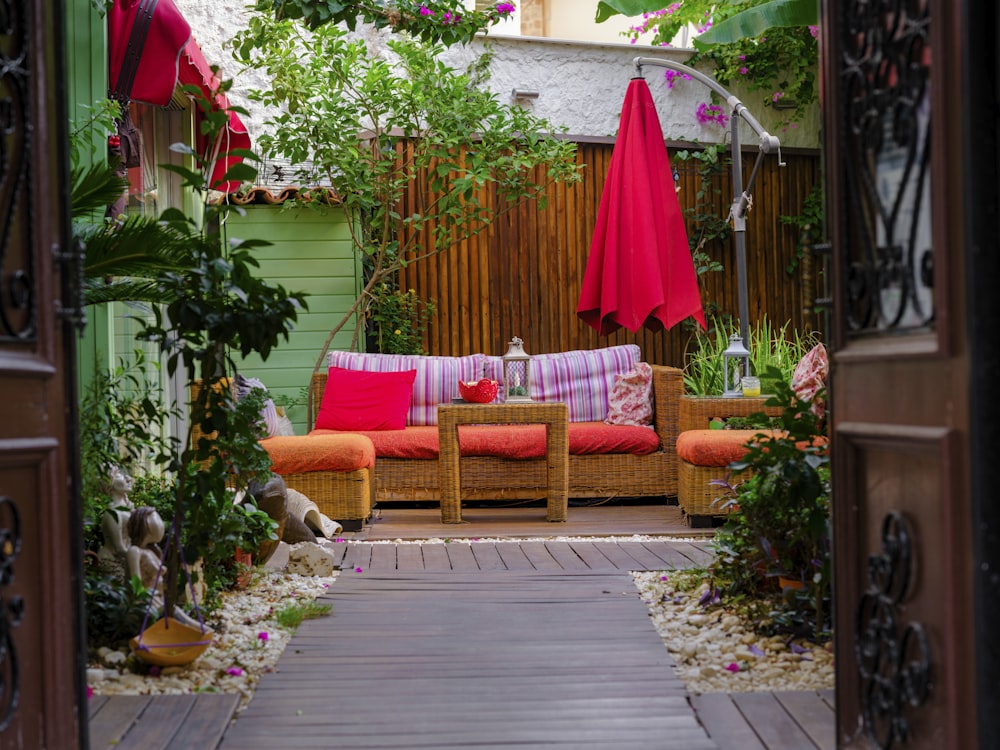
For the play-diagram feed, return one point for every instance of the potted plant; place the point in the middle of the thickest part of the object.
(780, 519)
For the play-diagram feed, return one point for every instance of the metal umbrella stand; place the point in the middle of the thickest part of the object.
(741, 195)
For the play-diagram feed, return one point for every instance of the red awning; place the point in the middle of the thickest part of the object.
(194, 69)
(150, 51)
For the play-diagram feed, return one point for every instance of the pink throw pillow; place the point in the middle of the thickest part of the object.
(631, 399)
(359, 400)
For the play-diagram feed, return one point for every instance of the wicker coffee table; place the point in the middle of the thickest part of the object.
(555, 417)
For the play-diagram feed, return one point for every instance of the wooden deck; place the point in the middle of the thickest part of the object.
(493, 644)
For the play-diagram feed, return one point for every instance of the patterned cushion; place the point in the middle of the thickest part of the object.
(436, 380)
(810, 377)
(583, 378)
(631, 400)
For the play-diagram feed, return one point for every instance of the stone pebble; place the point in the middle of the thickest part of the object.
(705, 641)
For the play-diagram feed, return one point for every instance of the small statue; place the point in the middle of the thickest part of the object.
(114, 523)
(142, 557)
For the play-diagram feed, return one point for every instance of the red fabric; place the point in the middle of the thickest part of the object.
(195, 70)
(356, 400)
(170, 55)
(810, 377)
(513, 441)
(166, 34)
(338, 452)
(640, 271)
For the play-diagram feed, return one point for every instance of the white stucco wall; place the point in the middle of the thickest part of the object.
(581, 85)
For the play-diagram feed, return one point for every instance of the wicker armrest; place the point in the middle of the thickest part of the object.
(668, 387)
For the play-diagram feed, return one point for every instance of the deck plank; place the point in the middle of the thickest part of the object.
(435, 557)
(563, 553)
(409, 557)
(514, 557)
(461, 557)
(592, 556)
(616, 555)
(725, 723)
(159, 722)
(487, 557)
(503, 656)
(776, 728)
(115, 718)
(812, 714)
(539, 556)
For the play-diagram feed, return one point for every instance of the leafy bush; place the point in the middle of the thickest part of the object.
(115, 609)
(780, 519)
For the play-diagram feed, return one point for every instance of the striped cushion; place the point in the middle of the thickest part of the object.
(436, 381)
(581, 378)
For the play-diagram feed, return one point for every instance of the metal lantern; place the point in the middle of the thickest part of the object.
(516, 372)
(736, 361)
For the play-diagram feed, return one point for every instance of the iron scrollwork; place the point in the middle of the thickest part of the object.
(18, 300)
(894, 665)
(11, 611)
(886, 126)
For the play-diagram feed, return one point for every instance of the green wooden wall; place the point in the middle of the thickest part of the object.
(311, 252)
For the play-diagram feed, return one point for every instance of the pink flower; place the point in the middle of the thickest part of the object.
(263, 637)
(814, 30)
(90, 691)
(733, 667)
(339, 540)
(505, 9)
(358, 569)
(663, 578)
(234, 671)
(743, 70)
(425, 11)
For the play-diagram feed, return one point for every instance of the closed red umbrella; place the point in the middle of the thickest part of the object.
(640, 271)
(145, 39)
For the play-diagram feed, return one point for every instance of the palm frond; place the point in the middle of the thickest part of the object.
(140, 246)
(96, 291)
(94, 188)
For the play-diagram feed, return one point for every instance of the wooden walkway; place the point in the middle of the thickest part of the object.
(497, 644)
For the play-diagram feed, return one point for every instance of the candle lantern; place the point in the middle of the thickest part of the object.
(516, 372)
(736, 363)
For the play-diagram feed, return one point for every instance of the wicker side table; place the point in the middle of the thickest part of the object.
(555, 417)
(696, 412)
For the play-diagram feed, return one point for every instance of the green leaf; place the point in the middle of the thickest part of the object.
(754, 22)
(608, 8)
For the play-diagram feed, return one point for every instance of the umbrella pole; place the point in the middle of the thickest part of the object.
(741, 194)
(737, 213)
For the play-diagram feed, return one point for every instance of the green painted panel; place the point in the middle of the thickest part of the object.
(312, 253)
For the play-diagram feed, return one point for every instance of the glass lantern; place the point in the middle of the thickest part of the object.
(516, 372)
(736, 364)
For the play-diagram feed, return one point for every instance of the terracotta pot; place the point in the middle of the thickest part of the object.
(244, 559)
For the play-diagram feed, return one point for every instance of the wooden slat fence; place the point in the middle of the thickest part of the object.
(523, 275)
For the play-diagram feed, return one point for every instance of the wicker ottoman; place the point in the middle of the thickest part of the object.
(334, 471)
(705, 455)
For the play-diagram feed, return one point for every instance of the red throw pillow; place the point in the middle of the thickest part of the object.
(359, 400)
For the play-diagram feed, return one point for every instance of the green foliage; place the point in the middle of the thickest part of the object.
(293, 615)
(809, 223)
(447, 22)
(397, 320)
(710, 230)
(780, 520)
(122, 424)
(766, 45)
(381, 127)
(115, 609)
(773, 353)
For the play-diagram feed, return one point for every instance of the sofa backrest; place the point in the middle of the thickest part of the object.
(582, 379)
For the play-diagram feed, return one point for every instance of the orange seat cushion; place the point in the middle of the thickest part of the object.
(511, 441)
(333, 452)
(714, 447)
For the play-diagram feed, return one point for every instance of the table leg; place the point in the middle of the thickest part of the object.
(448, 471)
(557, 457)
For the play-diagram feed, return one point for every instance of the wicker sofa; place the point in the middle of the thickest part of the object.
(496, 477)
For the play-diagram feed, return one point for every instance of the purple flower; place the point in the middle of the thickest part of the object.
(797, 649)
(743, 70)
(339, 540)
(712, 596)
(263, 637)
(234, 671)
(425, 11)
(358, 569)
(814, 30)
(733, 667)
(505, 9)
(90, 691)
(663, 578)
(154, 671)
(756, 650)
